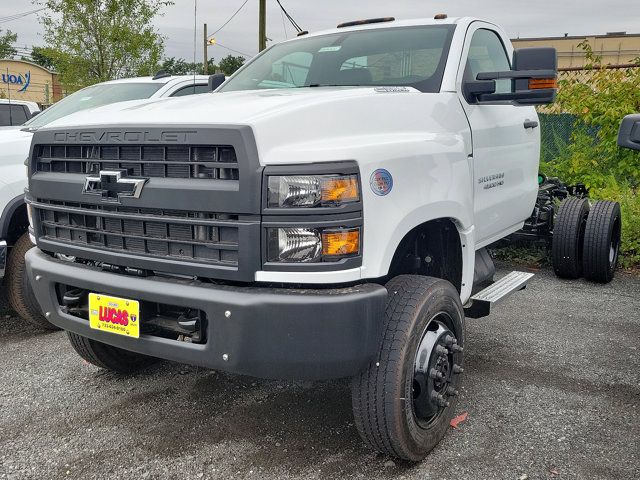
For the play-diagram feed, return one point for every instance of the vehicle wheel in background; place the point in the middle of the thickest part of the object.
(602, 241)
(568, 237)
(404, 401)
(109, 357)
(19, 292)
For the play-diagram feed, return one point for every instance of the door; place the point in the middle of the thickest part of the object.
(505, 139)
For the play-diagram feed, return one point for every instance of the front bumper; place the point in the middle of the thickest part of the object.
(275, 333)
(3, 257)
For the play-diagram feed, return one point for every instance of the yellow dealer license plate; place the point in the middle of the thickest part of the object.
(115, 315)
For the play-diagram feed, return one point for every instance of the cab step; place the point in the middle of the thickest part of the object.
(496, 292)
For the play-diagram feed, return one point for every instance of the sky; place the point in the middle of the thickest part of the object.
(523, 18)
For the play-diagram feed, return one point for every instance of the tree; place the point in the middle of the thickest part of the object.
(97, 40)
(6, 44)
(230, 64)
(43, 56)
(179, 66)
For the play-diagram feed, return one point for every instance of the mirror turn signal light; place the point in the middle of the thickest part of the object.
(540, 83)
(341, 242)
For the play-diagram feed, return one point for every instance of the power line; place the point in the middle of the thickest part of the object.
(231, 49)
(293, 22)
(230, 18)
(16, 16)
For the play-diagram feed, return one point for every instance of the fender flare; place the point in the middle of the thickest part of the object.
(7, 214)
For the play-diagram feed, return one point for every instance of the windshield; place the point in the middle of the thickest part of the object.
(94, 96)
(411, 56)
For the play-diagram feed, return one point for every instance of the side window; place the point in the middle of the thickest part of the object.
(191, 90)
(18, 114)
(487, 54)
(5, 119)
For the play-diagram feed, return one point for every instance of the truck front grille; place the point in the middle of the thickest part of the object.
(210, 238)
(171, 161)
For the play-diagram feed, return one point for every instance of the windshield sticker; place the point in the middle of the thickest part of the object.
(381, 182)
(330, 49)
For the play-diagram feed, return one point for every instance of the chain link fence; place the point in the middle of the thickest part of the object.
(557, 126)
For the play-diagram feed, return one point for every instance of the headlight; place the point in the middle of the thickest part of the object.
(308, 191)
(308, 245)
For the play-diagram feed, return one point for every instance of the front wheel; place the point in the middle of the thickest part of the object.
(109, 357)
(403, 402)
(19, 291)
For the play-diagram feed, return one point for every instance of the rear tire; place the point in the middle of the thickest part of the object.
(602, 241)
(109, 357)
(395, 400)
(19, 292)
(568, 237)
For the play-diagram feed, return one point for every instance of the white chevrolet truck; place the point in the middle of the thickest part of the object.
(15, 142)
(323, 214)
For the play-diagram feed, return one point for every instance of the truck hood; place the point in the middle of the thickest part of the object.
(291, 120)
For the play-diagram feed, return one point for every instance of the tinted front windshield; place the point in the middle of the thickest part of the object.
(94, 96)
(410, 56)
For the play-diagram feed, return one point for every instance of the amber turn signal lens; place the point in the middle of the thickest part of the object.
(539, 83)
(340, 189)
(341, 242)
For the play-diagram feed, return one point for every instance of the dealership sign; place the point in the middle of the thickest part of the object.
(21, 81)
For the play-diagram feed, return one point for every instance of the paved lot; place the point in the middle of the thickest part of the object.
(551, 388)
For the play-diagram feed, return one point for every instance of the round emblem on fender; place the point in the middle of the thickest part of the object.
(381, 182)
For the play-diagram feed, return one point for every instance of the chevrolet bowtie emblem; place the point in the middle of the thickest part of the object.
(113, 185)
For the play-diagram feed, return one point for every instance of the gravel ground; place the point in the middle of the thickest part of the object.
(551, 388)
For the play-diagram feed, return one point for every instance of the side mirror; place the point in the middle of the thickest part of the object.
(629, 133)
(533, 79)
(216, 80)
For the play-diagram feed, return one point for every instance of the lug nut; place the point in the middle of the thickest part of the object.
(443, 402)
(457, 368)
(450, 341)
(442, 350)
(456, 348)
(435, 374)
(452, 392)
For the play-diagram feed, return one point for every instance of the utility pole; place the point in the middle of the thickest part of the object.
(205, 59)
(262, 27)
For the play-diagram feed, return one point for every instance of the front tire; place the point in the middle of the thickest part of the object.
(109, 357)
(404, 401)
(19, 292)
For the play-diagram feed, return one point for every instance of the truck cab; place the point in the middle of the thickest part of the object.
(322, 214)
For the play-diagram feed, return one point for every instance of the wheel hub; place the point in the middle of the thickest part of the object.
(435, 371)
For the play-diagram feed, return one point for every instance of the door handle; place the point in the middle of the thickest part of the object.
(530, 124)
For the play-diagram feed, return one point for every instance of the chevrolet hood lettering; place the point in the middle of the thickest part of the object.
(113, 185)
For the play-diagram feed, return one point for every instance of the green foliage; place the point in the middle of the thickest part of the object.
(179, 66)
(230, 64)
(599, 98)
(97, 40)
(7, 40)
(43, 56)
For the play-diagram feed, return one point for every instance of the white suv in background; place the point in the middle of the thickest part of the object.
(16, 112)
(15, 142)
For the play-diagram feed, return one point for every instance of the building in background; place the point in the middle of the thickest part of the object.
(22, 80)
(615, 48)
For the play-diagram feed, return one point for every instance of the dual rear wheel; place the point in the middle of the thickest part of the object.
(586, 239)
